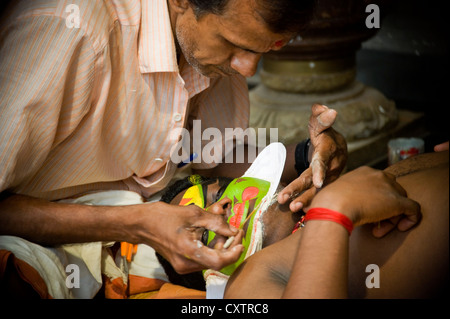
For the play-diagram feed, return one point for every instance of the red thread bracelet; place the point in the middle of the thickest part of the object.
(319, 213)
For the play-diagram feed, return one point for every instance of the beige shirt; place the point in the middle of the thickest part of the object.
(94, 105)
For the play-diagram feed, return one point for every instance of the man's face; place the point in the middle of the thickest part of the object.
(227, 44)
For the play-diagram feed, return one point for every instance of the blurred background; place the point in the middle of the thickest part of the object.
(385, 83)
(408, 60)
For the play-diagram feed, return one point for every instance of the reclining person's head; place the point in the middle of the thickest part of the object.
(235, 199)
(240, 202)
(248, 202)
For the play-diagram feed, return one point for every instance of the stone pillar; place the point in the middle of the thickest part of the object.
(319, 66)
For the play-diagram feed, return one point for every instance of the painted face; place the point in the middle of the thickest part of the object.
(194, 195)
(245, 194)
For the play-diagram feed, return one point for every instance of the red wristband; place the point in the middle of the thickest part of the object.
(318, 213)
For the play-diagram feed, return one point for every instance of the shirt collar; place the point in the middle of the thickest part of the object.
(157, 52)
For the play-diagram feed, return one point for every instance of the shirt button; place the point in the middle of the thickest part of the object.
(177, 117)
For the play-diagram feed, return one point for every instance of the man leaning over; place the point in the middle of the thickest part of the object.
(91, 93)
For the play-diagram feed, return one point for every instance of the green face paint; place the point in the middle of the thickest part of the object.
(245, 194)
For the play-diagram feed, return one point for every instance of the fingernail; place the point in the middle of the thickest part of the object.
(284, 198)
(238, 247)
(323, 121)
(318, 184)
(297, 206)
(233, 229)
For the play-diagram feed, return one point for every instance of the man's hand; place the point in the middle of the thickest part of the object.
(329, 157)
(441, 147)
(178, 237)
(367, 195)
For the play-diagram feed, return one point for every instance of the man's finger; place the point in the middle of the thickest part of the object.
(382, 228)
(217, 224)
(441, 147)
(321, 119)
(215, 258)
(297, 186)
(408, 220)
(303, 200)
(318, 168)
(411, 217)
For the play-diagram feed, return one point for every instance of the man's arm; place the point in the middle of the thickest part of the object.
(32, 93)
(174, 231)
(364, 196)
(48, 223)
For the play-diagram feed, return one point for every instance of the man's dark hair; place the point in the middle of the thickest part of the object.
(193, 280)
(281, 16)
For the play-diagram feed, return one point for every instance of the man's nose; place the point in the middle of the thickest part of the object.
(246, 63)
(222, 207)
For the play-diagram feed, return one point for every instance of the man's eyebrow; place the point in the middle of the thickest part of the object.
(249, 50)
(242, 47)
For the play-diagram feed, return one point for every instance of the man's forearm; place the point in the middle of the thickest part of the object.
(50, 223)
(321, 266)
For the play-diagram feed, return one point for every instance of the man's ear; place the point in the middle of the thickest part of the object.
(179, 6)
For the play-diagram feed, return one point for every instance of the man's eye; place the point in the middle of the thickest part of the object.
(220, 193)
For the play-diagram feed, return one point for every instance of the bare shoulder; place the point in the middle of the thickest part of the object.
(412, 264)
(418, 163)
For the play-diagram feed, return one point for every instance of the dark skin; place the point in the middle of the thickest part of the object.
(215, 46)
(413, 264)
(278, 220)
(328, 156)
(51, 223)
(268, 272)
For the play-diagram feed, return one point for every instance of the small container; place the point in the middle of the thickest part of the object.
(402, 148)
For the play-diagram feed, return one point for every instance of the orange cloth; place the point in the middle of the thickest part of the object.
(147, 288)
(8, 263)
(140, 284)
(143, 288)
(171, 291)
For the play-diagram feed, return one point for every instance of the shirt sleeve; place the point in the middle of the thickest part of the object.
(46, 73)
